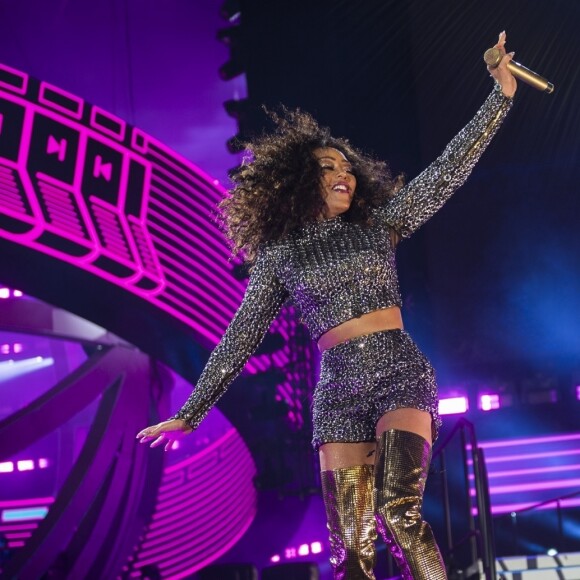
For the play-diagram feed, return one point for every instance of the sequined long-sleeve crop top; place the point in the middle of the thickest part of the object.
(334, 270)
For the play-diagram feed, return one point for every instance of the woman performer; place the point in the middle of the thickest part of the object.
(320, 222)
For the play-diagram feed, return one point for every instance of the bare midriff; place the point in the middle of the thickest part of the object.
(384, 319)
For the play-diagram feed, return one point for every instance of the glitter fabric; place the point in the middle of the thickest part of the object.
(402, 464)
(363, 378)
(348, 499)
(334, 270)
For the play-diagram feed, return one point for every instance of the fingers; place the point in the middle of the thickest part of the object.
(159, 441)
(501, 41)
(171, 445)
(148, 434)
(167, 431)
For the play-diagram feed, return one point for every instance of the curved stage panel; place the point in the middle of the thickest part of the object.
(83, 188)
(105, 222)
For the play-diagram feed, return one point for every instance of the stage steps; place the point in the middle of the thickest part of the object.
(541, 567)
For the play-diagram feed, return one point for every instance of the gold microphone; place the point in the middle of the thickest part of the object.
(492, 58)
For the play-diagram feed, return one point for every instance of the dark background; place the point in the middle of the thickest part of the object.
(491, 283)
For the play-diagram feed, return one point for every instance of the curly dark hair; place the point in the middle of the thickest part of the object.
(277, 188)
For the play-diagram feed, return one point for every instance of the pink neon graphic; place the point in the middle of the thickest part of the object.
(304, 550)
(290, 553)
(42, 463)
(54, 146)
(531, 471)
(489, 402)
(453, 405)
(17, 348)
(316, 547)
(128, 210)
(514, 507)
(18, 80)
(522, 487)
(104, 170)
(6, 467)
(60, 100)
(530, 441)
(108, 123)
(5, 349)
(275, 558)
(30, 526)
(28, 502)
(529, 456)
(187, 492)
(538, 469)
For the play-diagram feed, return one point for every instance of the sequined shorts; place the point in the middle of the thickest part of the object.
(363, 378)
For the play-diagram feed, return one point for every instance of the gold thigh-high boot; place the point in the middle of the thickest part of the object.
(401, 467)
(348, 499)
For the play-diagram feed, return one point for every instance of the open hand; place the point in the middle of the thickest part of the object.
(167, 432)
(501, 73)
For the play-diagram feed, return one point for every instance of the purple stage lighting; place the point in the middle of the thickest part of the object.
(489, 402)
(25, 465)
(525, 471)
(578, 392)
(293, 552)
(316, 547)
(84, 187)
(188, 490)
(24, 514)
(453, 405)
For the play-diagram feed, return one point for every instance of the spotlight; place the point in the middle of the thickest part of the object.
(6, 467)
(230, 10)
(489, 402)
(25, 465)
(453, 406)
(316, 547)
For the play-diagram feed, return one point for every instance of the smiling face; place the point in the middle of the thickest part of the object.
(338, 181)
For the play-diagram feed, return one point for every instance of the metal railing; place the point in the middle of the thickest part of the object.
(480, 524)
(560, 545)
